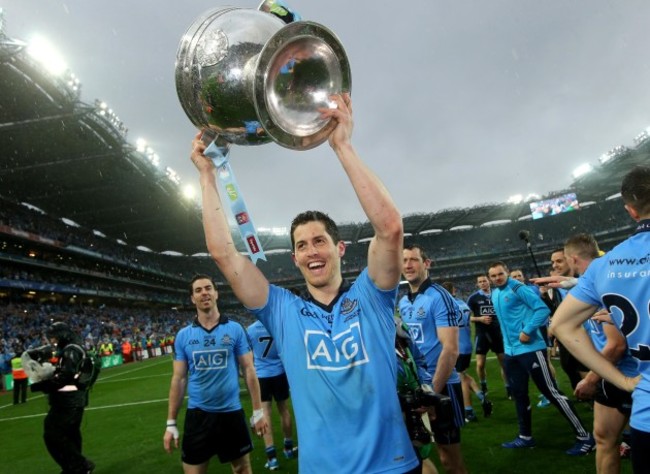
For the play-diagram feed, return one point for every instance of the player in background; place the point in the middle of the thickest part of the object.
(273, 386)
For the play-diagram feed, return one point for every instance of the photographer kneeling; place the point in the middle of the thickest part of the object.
(417, 398)
(67, 397)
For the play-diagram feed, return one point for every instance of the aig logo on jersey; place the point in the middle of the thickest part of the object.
(487, 310)
(210, 360)
(338, 352)
(416, 333)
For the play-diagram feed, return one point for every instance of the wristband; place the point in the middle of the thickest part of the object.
(257, 416)
(171, 422)
(173, 430)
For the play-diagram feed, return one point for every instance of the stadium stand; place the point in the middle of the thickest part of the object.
(65, 160)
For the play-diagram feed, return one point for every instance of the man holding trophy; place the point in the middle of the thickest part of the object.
(336, 340)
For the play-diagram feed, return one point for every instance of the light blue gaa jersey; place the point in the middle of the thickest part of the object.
(464, 328)
(430, 308)
(341, 365)
(213, 368)
(620, 281)
(267, 360)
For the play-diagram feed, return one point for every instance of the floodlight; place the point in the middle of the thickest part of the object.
(516, 199)
(189, 192)
(140, 145)
(582, 170)
(43, 51)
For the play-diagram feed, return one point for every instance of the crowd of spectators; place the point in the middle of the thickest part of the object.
(129, 294)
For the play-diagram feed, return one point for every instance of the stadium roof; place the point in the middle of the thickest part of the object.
(71, 160)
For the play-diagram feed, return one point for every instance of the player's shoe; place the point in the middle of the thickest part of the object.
(624, 450)
(543, 402)
(487, 407)
(290, 453)
(582, 447)
(519, 442)
(470, 416)
(272, 464)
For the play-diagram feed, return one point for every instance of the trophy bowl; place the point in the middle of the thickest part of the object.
(252, 78)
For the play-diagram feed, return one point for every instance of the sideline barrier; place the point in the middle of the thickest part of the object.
(112, 361)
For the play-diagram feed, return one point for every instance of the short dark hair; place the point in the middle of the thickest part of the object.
(496, 264)
(583, 245)
(635, 189)
(201, 276)
(423, 254)
(315, 216)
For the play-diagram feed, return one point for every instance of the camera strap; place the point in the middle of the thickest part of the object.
(410, 378)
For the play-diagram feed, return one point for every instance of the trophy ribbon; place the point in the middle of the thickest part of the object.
(218, 153)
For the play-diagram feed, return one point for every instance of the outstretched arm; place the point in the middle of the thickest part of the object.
(248, 283)
(385, 251)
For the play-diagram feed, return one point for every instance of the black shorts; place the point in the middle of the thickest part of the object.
(452, 435)
(489, 339)
(206, 434)
(274, 388)
(611, 396)
(462, 363)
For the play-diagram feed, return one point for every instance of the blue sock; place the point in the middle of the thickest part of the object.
(270, 452)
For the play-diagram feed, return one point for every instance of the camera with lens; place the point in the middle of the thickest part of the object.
(37, 366)
(412, 403)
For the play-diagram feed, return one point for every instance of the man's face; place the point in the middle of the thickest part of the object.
(517, 275)
(498, 275)
(204, 295)
(316, 255)
(560, 264)
(483, 283)
(572, 262)
(415, 270)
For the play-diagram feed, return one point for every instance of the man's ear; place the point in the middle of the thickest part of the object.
(293, 258)
(632, 212)
(341, 248)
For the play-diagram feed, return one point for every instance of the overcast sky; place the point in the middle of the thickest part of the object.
(456, 103)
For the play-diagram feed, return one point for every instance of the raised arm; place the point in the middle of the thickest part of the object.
(385, 251)
(248, 283)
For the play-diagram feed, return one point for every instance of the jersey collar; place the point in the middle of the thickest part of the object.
(223, 319)
(306, 295)
(644, 226)
(423, 286)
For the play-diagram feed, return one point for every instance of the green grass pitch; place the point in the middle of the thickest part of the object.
(124, 425)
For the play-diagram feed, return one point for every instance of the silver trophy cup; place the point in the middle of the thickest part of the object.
(252, 78)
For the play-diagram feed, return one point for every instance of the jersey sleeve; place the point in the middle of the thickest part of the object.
(242, 343)
(536, 305)
(271, 314)
(585, 290)
(179, 346)
(445, 310)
